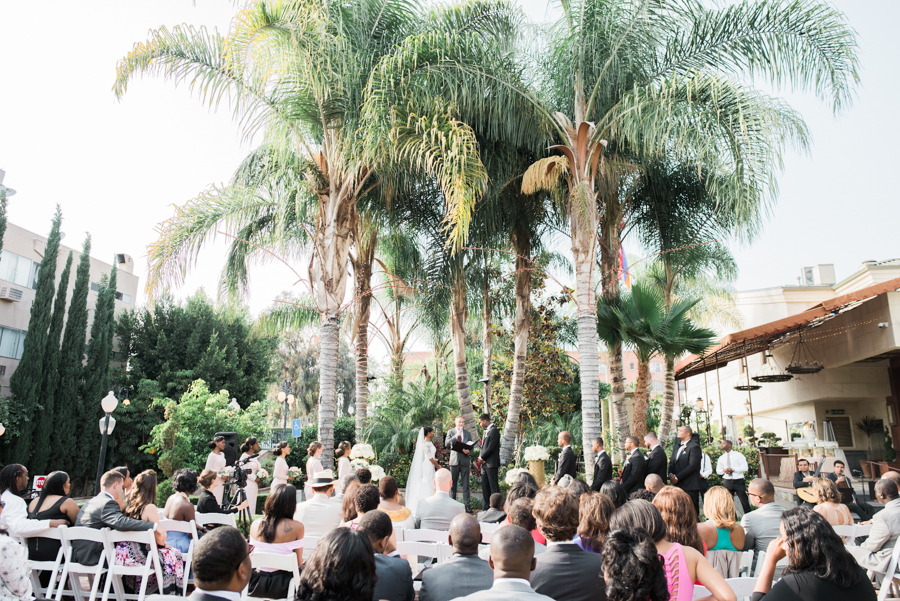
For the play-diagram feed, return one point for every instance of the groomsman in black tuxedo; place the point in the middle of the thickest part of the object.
(684, 467)
(566, 463)
(635, 469)
(602, 465)
(489, 458)
(657, 462)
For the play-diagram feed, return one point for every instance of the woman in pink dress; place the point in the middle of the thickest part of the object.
(216, 461)
(280, 470)
(683, 565)
(251, 447)
(313, 466)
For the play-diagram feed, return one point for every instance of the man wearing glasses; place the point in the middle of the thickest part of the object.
(761, 526)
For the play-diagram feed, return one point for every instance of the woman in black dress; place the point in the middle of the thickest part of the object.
(52, 504)
(206, 502)
(819, 566)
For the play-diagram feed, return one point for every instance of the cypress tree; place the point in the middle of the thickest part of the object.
(46, 421)
(71, 356)
(2, 212)
(25, 383)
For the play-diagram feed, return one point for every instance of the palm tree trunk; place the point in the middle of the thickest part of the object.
(668, 408)
(486, 343)
(609, 272)
(330, 332)
(520, 354)
(641, 400)
(459, 314)
(363, 271)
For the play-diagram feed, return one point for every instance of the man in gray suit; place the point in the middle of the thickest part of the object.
(465, 573)
(512, 559)
(761, 526)
(437, 511)
(875, 553)
(393, 576)
(105, 511)
(459, 461)
(221, 565)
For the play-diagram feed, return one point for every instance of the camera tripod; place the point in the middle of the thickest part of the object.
(235, 495)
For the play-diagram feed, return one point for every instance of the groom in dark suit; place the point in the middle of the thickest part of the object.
(684, 467)
(459, 461)
(489, 458)
(566, 463)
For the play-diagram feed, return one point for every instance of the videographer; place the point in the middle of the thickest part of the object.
(206, 503)
(250, 464)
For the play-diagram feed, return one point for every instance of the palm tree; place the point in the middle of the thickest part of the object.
(298, 71)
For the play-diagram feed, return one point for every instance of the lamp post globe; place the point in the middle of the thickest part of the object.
(108, 404)
(281, 396)
(2, 429)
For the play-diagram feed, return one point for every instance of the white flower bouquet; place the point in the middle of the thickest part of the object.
(226, 473)
(536, 453)
(294, 472)
(511, 475)
(377, 472)
(261, 475)
(358, 463)
(362, 451)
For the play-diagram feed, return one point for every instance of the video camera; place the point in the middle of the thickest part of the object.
(240, 472)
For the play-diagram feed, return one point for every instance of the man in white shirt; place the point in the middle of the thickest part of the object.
(732, 466)
(13, 480)
(221, 565)
(319, 515)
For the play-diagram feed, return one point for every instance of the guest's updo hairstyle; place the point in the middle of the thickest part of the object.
(248, 444)
(342, 450)
(279, 448)
(185, 480)
(207, 477)
(313, 447)
(635, 568)
(215, 441)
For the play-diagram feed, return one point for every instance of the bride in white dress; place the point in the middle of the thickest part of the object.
(420, 483)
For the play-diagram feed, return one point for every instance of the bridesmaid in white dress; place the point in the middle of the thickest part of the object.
(343, 454)
(216, 461)
(313, 465)
(251, 447)
(280, 471)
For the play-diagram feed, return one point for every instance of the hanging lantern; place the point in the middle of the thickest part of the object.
(771, 373)
(805, 363)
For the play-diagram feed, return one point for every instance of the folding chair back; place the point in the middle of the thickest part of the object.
(863, 529)
(72, 569)
(747, 562)
(742, 587)
(398, 532)
(53, 566)
(152, 565)
(204, 519)
(309, 545)
(486, 537)
(848, 532)
(274, 561)
(189, 528)
(492, 527)
(427, 536)
(888, 582)
(700, 592)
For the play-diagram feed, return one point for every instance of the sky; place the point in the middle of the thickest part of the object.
(118, 167)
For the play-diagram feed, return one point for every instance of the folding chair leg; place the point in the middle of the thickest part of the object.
(109, 581)
(95, 586)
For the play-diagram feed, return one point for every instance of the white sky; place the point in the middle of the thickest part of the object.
(117, 167)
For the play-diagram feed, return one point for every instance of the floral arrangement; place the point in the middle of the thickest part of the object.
(536, 453)
(357, 463)
(226, 473)
(377, 472)
(261, 475)
(294, 472)
(362, 451)
(512, 474)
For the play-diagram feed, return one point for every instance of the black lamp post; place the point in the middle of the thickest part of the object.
(285, 396)
(107, 425)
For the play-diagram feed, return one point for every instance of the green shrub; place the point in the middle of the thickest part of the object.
(344, 429)
(397, 466)
(715, 451)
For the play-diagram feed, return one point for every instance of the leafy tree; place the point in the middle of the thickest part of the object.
(71, 355)
(48, 417)
(395, 422)
(25, 383)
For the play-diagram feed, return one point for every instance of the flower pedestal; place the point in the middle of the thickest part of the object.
(536, 469)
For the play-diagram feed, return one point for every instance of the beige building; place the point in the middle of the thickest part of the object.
(850, 328)
(19, 262)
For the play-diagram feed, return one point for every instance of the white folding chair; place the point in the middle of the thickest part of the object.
(863, 530)
(427, 536)
(72, 569)
(54, 567)
(486, 537)
(274, 561)
(415, 549)
(398, 532)
(203, 519)
(890, 574)
(114, 576)
(309, 545)
(700, 592)
(747, 562)
(187, 528)
(848, 532)
(490, 527)
(742, 587)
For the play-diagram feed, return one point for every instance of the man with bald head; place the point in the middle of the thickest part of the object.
(437, 511)
(892, 475)
(653, 483)
(464, 573)
(512, 559)
(761, 526)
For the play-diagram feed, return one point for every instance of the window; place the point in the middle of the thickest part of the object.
(631, 366)
(18, 270)
(657, 386)
(603, 368)
(125, 298)
(11, 342)
(656, 367)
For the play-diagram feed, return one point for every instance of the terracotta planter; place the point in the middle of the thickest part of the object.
(536, 469)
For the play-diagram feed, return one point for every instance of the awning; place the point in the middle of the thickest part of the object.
(761, 338)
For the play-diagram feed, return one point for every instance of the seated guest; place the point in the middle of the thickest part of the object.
(633, 568)
(348, 503)
(653, 483)
(684, 565)
(180, 509)
(527, 479)
(103, 511)
(564, 572)
(761, 526)
(319, 514)
(366, 499)
(344, 486)
(721, 533)
(677, 511)
(464, 573)
(495, 513)
(863, 510)
(578, 487)
(15, 581)
(525, 489)
(522, 514)
(206, 502)
(52, 504)
(802, 479)
(341, 568)
(615, 492)
(643, 494)
(142, 506)
(276, 532)
(820, 567)
(393, 576)
(437, 511)
(512, 559)
(875, 553)
(390, 503)
(14, 480)
(364, 475)
(126, 490)
(892, 475)
(829, 504)
(594, 512)
(221, 565)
